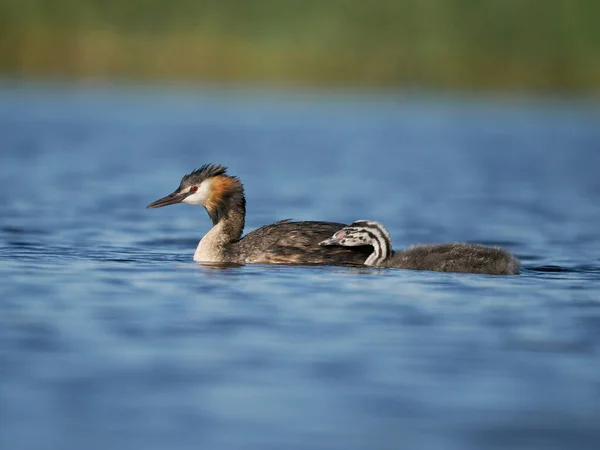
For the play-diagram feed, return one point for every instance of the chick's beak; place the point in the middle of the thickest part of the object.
(333, 240)
(330, 241)
(171, 199)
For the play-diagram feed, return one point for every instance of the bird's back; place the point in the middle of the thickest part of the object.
(288, 242)
(456, 257)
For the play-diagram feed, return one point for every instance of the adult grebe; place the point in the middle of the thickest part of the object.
(283, 242)
(453, 257)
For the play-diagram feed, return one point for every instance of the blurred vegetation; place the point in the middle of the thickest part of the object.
(522, 44)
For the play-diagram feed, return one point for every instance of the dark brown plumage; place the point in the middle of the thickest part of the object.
(455, 257)
(288, 242)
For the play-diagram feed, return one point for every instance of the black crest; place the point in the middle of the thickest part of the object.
(201, 174)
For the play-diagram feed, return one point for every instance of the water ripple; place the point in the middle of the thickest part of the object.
(112, 337)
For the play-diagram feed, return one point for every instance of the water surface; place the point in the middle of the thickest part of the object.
(111, 337)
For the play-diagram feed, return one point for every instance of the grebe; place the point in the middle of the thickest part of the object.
(453, 257)
(283, 242)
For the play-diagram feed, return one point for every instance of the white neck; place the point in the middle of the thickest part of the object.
(374, 258)
(211, 247)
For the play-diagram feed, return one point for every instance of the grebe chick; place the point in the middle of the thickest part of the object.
(452, 257)
(283, 242)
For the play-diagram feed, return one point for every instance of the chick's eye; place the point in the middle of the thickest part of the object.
(193, 188)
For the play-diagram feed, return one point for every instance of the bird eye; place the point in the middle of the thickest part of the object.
(193, 188)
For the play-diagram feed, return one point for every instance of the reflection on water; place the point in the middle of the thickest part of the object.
(111, 337)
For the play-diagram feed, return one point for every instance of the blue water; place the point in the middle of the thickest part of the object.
(111, 337)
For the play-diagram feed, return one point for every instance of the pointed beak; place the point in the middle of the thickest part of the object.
(330, 241)
(171, 199)
(334, 240)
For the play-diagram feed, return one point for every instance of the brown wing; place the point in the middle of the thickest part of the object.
(287, 242)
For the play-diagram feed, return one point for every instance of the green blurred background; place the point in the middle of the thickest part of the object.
(536, 45)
